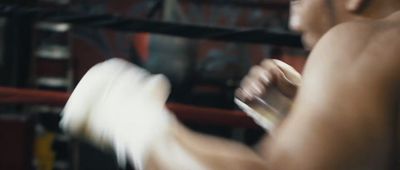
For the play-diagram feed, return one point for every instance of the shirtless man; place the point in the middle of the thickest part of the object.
(344, 116)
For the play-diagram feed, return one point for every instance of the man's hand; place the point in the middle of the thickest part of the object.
(120, 106)
(269, 73)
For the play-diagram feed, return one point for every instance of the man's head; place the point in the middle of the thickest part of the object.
(313, 18)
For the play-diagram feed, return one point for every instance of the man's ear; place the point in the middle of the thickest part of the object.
(355, 5)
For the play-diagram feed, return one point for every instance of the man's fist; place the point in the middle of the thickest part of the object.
(120, 106)
(269, 73)
(266, 93)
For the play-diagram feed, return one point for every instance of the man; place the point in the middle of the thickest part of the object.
(344, 116)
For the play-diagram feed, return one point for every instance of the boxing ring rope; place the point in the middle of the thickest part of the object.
(185, 113)
(128, 24)
(270, 4)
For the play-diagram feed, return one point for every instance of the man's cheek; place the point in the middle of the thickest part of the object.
(309, 40)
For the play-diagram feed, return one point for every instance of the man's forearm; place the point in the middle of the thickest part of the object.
(185, 149)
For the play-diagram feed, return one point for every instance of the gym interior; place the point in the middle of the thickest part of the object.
(203, 47)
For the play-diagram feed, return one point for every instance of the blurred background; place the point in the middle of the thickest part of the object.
(204, 47)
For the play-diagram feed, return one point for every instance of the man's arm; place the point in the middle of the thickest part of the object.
(342, 118)
(186, 149)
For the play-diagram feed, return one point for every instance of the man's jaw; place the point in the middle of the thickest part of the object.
(308, 41)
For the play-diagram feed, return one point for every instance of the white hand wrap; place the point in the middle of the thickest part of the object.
(121, 105)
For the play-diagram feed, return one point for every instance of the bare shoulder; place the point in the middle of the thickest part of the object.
(357, 36)
(362, 48)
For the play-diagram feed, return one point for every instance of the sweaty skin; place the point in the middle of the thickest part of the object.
(344, 116)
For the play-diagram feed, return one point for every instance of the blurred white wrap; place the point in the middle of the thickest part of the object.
(119, 105)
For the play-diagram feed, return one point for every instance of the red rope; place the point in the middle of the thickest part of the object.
(186, 113)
